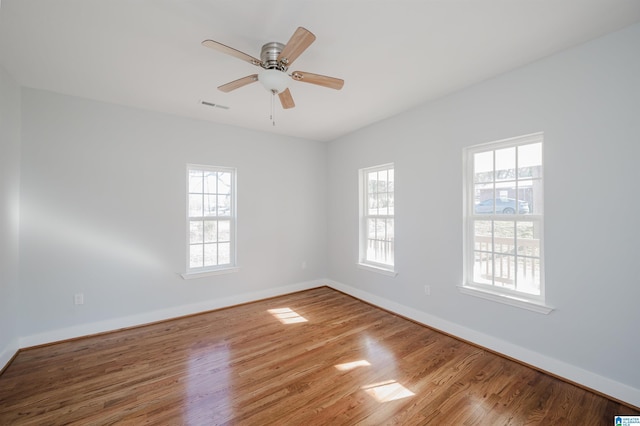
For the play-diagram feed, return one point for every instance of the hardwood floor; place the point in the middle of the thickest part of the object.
(317, 357)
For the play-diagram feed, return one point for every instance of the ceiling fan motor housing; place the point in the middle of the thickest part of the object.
(269, 56)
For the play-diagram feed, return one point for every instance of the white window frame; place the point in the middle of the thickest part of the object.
(231, 216)
(363, 261)
(492, 291)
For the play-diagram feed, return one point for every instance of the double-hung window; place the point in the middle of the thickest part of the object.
(211, 221)
(503, 197)
(377, 236)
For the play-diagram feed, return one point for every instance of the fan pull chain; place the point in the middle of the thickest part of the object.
(273, 113)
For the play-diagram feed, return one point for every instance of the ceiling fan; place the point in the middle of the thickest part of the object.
(275, 59)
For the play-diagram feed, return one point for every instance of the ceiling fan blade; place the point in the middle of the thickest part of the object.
(320, 80)
(286, 99)
(298, 43)
(231, 51)
(236, 84)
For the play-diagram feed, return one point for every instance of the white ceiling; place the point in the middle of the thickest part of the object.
(392, 54)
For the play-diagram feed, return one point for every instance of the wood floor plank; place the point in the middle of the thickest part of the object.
(317, 357)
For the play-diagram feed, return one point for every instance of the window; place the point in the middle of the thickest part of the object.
(377, 218)
(503, 221)
(211, 218)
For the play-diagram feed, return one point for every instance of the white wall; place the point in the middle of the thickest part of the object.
(9, 214)
(103, 214)
(587, 103)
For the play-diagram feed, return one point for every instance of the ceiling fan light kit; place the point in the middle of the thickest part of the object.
(275, 60)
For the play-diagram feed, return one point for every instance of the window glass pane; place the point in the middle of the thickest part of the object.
(224, 183)
(530, 192)
(224, 253)
(505, 201)
(482, 235)
(375, 247)
(196, 256)
(504, 249)
(381, 229)
(391, 180)
(195, 205)
(528, 237)
(506, 163)
(372, 179)
(380, 252)
(224, 205)
(390, 204)
(224, 230)
(371, 250)
(371, 229)
(485, 205)
(504, 271)
(390, 230)
(209, 208)
(483, 167)
(195, 231)
(483, 198)
(210, 254)
(528, 275)
(530, 160)
(382, 204)
(504, 229)
(483, 268)
(373, 204)
(382, 181)
(388, 253)
(210, 231)
(209, 182)
(195, 181)
(525, 196)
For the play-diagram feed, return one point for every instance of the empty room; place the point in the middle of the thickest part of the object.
(198, 206)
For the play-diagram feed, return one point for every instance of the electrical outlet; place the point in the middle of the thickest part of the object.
(427, 290)
(78, 299)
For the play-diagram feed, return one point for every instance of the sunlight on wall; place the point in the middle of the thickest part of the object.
(55, 227)
(351, 365)
(387, 391)
(287, 316)
(13, 210)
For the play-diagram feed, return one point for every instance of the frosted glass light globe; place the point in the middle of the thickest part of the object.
(274, 80)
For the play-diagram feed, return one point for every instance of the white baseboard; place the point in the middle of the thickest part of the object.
(556, 367)
(160, 315)
(8, 352)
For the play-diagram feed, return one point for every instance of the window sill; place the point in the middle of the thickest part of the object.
(203, 274)
(506, 299)
(378, 270)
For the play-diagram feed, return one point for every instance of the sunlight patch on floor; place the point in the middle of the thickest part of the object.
(287, 315)
(351, 365)
(387, 391)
